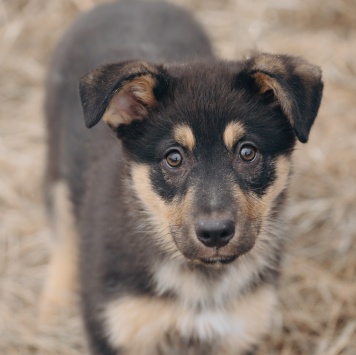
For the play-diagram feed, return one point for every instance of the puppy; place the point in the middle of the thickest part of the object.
(172, 204)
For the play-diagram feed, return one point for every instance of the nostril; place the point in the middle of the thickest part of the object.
(205, 236)
(215, 233)
(225, 233)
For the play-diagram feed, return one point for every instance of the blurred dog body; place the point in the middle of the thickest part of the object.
(174, 213)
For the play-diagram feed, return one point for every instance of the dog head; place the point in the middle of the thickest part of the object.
(209, 143)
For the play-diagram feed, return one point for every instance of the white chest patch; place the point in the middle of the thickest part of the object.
(209, 325)
(207, 311)
(196, 290)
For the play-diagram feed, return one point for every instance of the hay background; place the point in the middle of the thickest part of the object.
(318, 288)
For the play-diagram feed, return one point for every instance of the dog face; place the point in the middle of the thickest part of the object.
(208, 144)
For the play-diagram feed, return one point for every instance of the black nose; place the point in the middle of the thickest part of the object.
(214, 233)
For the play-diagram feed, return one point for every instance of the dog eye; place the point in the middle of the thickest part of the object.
(247, 153)
(174, 159)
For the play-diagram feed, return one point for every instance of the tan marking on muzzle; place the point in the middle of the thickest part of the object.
(183, 135)
(282, 171)
(250, 204)
(233, 132)
(162, 215)
(180, 209)
(151, 201)
(256, 207)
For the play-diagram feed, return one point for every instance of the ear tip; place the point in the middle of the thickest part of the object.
(90, 121)
(89, 124)
(303, 136)
(303, 139)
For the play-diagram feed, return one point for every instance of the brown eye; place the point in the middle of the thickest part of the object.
(247, 153)
(174, 159)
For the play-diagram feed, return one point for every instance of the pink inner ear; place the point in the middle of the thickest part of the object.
(132, 102)
(128, 106)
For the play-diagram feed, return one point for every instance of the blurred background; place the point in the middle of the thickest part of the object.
(318, 287)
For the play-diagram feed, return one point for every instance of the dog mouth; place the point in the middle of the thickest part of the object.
(218, 259)
(204, 255)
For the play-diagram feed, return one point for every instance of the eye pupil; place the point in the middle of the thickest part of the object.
(247, 153)
(174, 159)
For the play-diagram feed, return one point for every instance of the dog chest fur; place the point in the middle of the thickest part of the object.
(144, 325)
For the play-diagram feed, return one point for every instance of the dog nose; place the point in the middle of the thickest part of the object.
(215, 233)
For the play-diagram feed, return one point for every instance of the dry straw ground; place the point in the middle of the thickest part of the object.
(318, 288)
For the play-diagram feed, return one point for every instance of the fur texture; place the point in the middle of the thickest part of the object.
(178, 203)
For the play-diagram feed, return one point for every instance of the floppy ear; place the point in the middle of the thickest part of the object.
(295, 85)
(121, 93)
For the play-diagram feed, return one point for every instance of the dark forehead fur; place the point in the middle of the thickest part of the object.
(207, 96)
(213, 97)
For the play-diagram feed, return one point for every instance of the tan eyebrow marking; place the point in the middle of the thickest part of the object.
(233, 132)
(183, 135)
